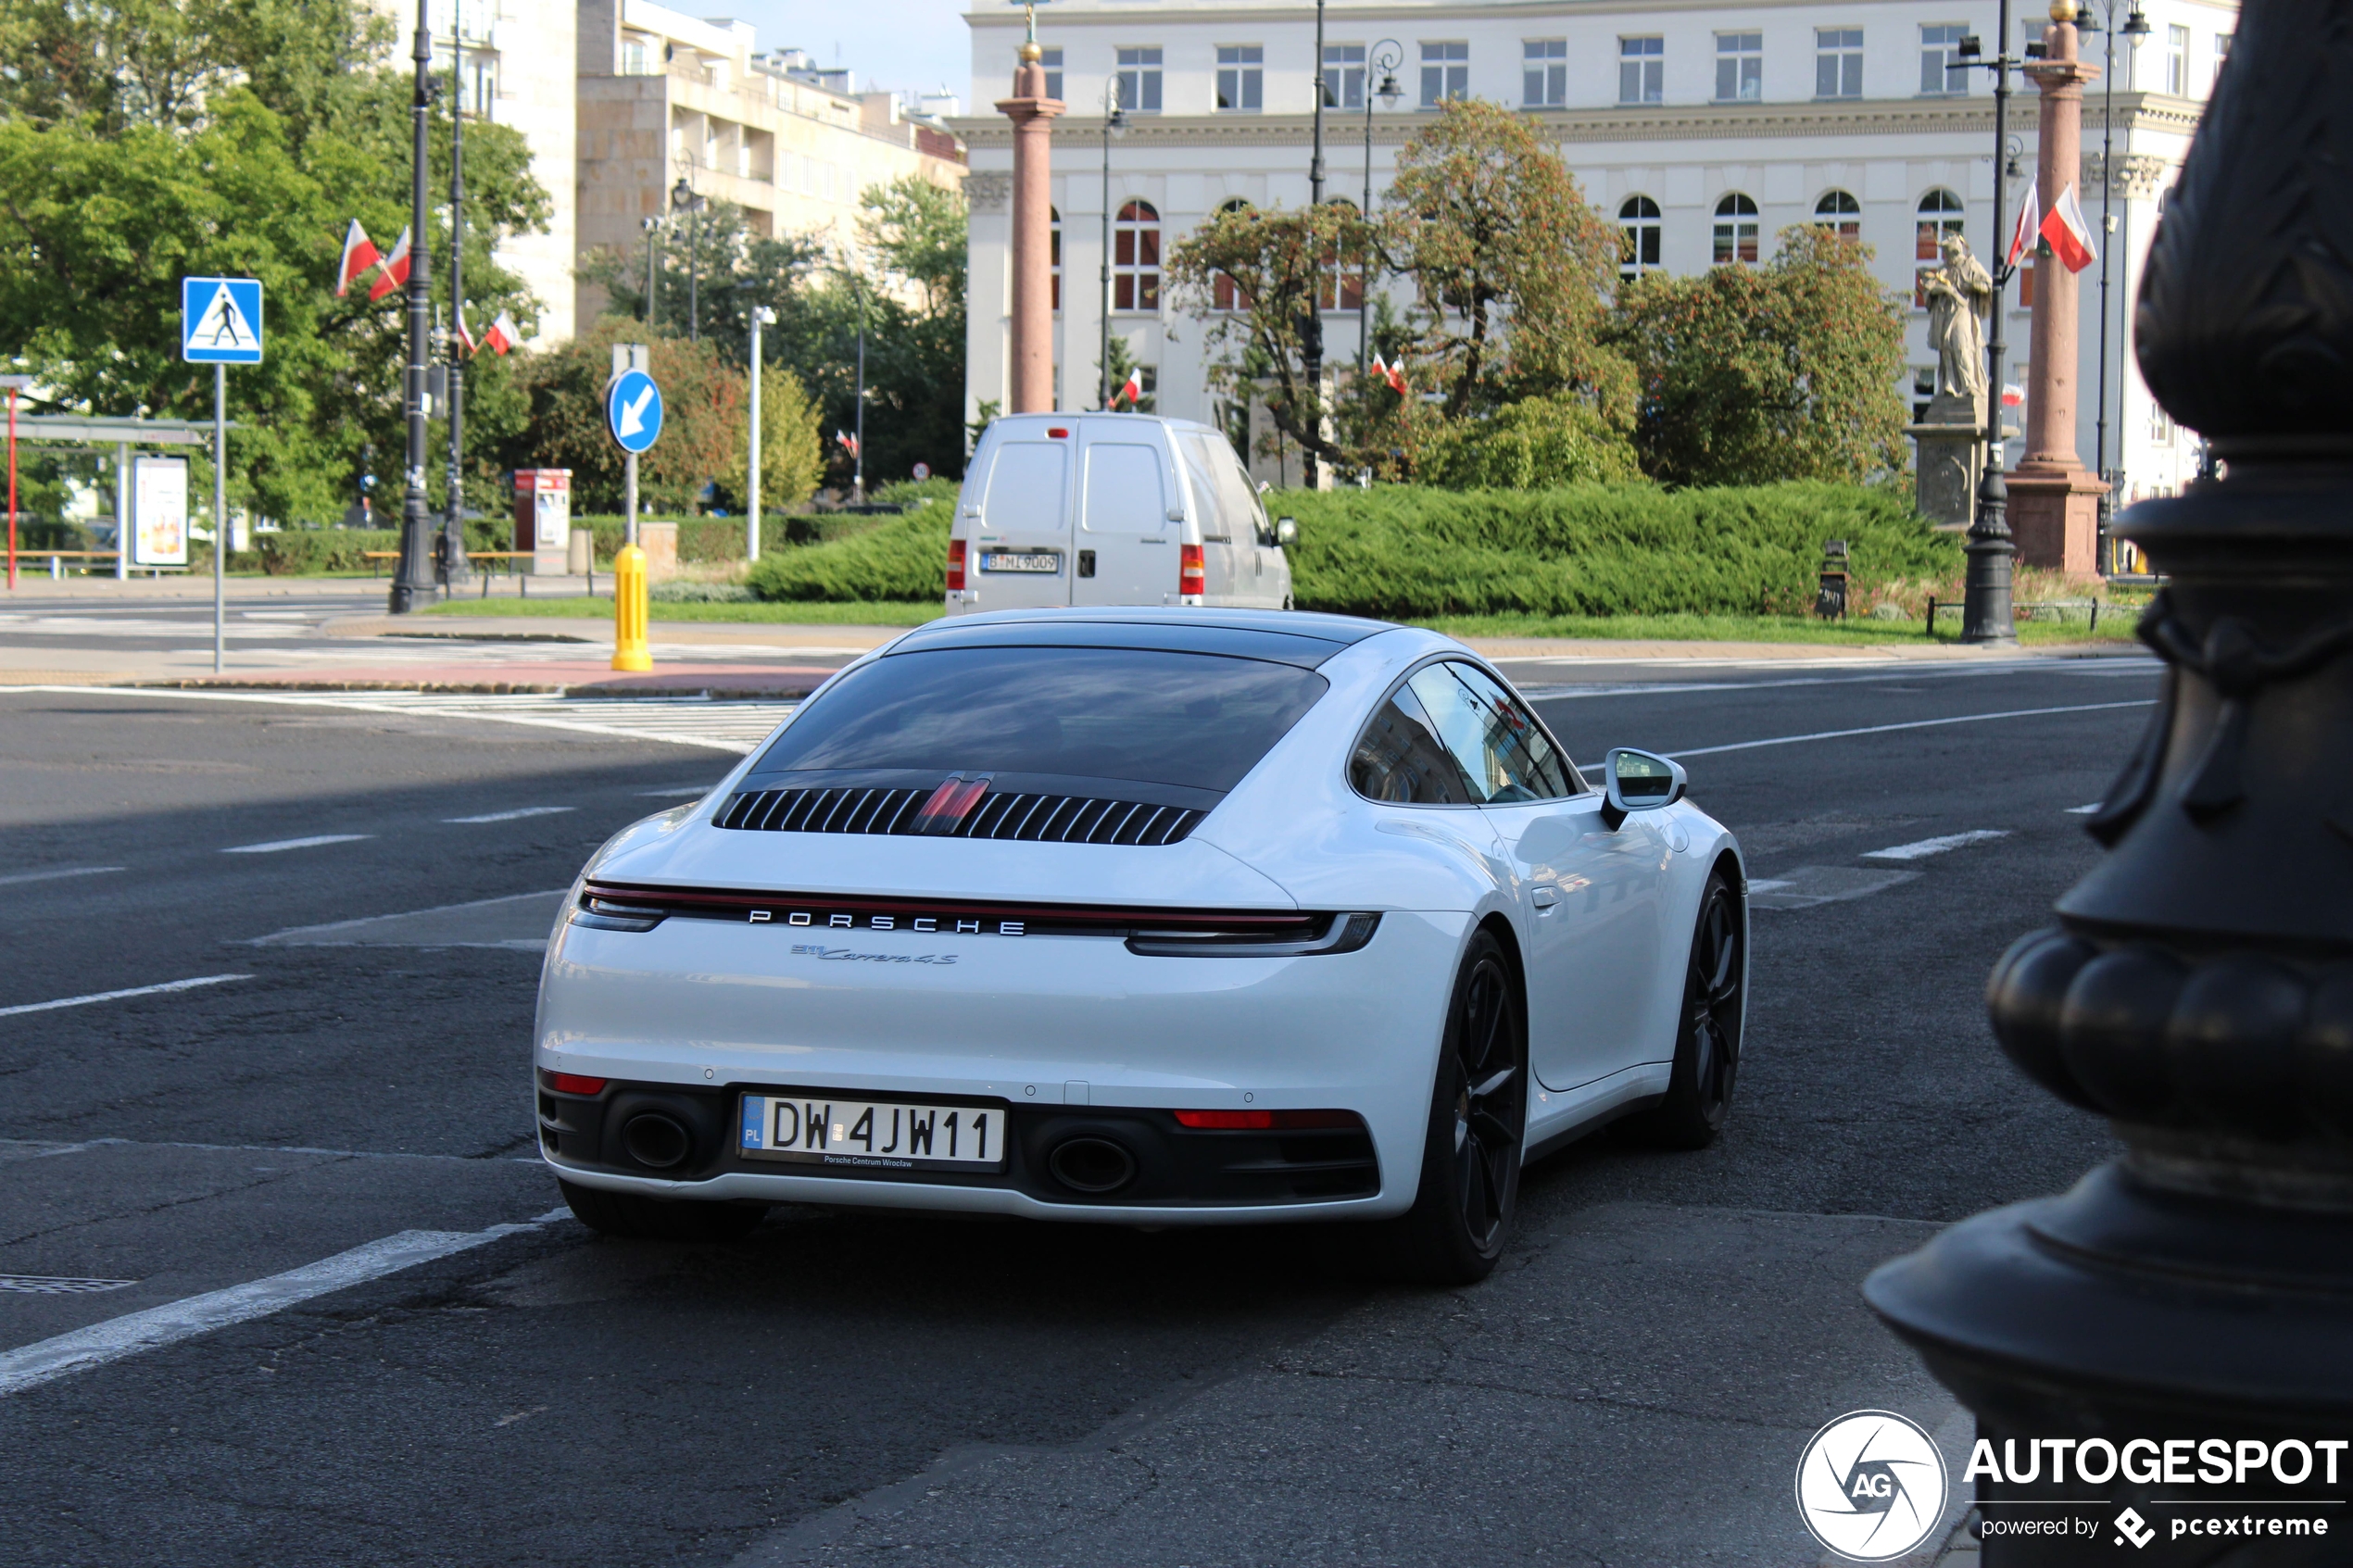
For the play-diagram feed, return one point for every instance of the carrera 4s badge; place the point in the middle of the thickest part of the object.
(851, 955)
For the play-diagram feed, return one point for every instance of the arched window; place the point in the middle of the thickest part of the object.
(1940, 215)
(1736, 230)
(1054, 250)
(1134, 258)
(1224, 292)
(1840, 211)
(1339, 288)
(1639, 214)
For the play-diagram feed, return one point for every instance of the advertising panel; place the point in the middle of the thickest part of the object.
(159, 511)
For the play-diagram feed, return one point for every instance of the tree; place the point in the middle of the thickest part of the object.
(1535, 443)
(1751, 375)
(139, 146)
(1511, 269)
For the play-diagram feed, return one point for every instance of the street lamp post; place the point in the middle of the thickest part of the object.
(761, 317)
(1312, 328)
(454, 569)
(684, 199)
(1985, 612)
(2135, 28)
(415, 575)
(653, 227)
(2198, 987)
(858, 457)
(1384, 57)
(1115, 124)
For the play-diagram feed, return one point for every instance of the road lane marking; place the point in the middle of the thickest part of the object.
(44, 1360)
(515, 920)
(50, 1284)
(1910, 724)
(1922, 848)
(1809, 886)
(313, 841)
(118, 996)
(15, 877)
(2083, 811)
(517, 814)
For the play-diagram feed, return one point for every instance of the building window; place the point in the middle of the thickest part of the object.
(1938, 216)
(1638, 216)
(1241, 77)
(1739, 67)
(1445, 73)
(1139, 81)
(1838, 62)
(1545, 83)
(1641, 71)
(1736, 230)
(1923, 389)
(1134, 258)
(2177, 61)
(1343, 76)
(1839, 210)
(2160, 425)
(1224, 292)
(2026, 276)
(637, 58)
(1338, 289)
(1940, 68)
(2222, 55)
(1054, 251)
(1052, 60)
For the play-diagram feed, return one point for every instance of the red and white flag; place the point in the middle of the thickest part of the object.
(464, 334)
(396, 270)
(2070, 237)
(1395, 375)
(503, 334)
(2013, 396)
(2022, 236)
(847, 442)
(1132, 389)
(358, 255)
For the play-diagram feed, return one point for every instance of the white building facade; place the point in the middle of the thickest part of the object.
(1704, 128)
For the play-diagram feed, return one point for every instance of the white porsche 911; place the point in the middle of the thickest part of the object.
(1150, 917)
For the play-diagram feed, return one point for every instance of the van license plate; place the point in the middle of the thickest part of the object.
(1007, 561)
(873, 1135)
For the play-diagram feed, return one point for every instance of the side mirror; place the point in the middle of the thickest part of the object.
(1636, 780)
(1285, 530)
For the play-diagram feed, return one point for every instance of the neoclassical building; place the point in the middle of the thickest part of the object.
(1704, 128)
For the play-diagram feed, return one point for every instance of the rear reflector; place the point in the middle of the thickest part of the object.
(1192, 577)
(1265, 1120)
(955, 566)
(573, 1084)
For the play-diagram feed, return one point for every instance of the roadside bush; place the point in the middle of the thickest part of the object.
(700, 539)
(1535, 443)
(899, 558)
(296, 552)
(1597, 549)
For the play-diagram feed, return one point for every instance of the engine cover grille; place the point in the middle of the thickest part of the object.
(1048, 818)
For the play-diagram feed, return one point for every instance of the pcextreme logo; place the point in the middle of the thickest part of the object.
(1871, 1486)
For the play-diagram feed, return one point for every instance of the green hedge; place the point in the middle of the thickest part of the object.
(1406, 551)
(1597, 549)
(899, 558)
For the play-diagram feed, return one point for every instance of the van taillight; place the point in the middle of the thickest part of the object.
(1191, 576)
(955, 566)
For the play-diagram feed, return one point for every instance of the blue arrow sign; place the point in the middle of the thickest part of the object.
(633, 410)
(221, 321)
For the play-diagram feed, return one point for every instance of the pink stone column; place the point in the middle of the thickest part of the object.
(1033, 115)
(2053, 499)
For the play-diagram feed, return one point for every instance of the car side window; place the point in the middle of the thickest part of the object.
(1528, 756)
(1489, 735)
(1399, 759)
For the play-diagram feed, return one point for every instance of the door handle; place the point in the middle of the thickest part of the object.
(1545, 897)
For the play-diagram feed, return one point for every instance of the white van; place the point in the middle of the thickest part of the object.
(1110, 509)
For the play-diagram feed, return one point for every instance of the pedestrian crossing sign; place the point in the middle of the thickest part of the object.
(221, 321)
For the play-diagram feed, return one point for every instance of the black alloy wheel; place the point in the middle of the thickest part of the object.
(1707, 1039)
(1462, 1215)
(654, 1219)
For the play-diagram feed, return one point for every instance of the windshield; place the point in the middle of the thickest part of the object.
(1193, 721)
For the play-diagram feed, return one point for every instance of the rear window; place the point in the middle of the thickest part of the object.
(1192, 721)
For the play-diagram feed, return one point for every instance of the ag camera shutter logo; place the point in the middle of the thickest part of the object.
(1871, 1486)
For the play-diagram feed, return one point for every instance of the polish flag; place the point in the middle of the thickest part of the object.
(2023, 237)
(1381, 368)
(2013, 396)
(358, 255)
(503, 334)
(464, 334)
(396, 270)
(1395, 375)
(1131, 389)
(847, 442)
(2070, 237)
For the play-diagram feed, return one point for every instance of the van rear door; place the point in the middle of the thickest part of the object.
(1127, 543)
(1018, 548)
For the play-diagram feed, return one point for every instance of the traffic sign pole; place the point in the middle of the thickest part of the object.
(220, 326)
(220, 511)
(632, 415)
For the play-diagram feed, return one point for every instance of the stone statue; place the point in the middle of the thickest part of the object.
(1960, 297)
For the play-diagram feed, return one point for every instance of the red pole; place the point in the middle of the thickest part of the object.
(12, 489)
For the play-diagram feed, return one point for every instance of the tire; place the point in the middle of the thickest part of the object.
(1469, 1193)
(1707, 1038)
(654, 1219)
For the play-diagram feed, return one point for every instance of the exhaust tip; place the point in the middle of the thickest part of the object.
(656, 1141)
(1093, 1165)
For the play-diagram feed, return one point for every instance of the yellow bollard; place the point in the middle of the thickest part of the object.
(629, 650)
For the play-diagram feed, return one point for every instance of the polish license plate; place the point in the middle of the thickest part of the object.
(880, 1135)
(1020, 560)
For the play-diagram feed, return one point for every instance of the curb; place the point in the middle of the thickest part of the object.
(488, 688)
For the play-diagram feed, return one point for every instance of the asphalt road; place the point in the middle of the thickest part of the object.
(1633, 1387)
